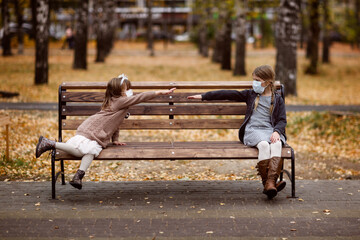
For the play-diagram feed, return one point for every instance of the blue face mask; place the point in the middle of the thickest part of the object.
(257, 87)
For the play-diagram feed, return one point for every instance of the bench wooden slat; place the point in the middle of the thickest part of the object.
(166, 85)
(99, 97)
(167, 124)
(177, 150)
(194, 109)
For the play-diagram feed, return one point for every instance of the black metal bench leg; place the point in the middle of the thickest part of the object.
(53, 177)
(62, 173)
(292, 173)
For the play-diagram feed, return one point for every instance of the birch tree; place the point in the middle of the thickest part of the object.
(6, 40)
(287, 30)
(42, 42)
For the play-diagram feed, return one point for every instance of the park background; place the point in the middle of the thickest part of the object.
(184, 45)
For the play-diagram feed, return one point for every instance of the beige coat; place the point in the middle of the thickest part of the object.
(104, 125)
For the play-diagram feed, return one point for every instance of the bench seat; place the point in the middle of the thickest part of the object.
(176, 151)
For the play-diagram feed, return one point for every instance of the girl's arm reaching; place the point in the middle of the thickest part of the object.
(125, 102)
(165, 92)
(234, 95)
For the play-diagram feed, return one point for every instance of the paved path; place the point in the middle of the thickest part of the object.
(179, 210)
(290, 108)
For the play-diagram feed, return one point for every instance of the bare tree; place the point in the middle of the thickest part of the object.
(81, 36)
(42, 42)
(314, 40)
(326, 32)
(150, 34)
(104, 27)
(240, 30)
(6, 40)
(287, 31)
(20, 33)
(357, 15)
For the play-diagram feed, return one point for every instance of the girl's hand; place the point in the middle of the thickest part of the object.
(165, 92)
(195, 97)
(275, 137)
(119, 143)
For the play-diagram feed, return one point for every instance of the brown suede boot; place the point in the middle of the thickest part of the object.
(275, 165)
(76, 181)
(262, 167)
(44, 145)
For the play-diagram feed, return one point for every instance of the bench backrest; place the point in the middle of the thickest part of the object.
(81, 99)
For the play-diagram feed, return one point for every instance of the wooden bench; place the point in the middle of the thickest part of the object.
(84, 99)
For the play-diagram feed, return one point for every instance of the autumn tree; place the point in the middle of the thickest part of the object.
(6, 40)
(149, 31)
(81, 36)
(314, 36)
(326, 32)
(287, 31)
(42, 42)
(19, 9)
(240, 31)
(228, 8)
(105, 24)
(357, 15)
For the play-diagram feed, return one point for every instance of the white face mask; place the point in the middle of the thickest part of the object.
(257, 87)
(129, 93)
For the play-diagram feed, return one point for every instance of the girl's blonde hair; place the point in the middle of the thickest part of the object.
(266, 73)
(116, 87)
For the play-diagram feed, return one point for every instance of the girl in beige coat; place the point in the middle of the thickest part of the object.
(95, 133)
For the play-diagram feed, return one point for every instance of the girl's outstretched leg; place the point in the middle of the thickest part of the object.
(85, 163)
(69, 149)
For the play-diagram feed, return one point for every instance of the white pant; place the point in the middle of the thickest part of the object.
(267, 151)
(86, 159)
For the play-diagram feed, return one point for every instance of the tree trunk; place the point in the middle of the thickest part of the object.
(42, 42)
(6, 40)
(302, 21)
(240, 30)
(326, 37)
(217, 52)
(262, 27)
(357, 15)
(150, 34)
(20, 33)
(226, 45)
(112, 22)
(33, 18)
(81, 36)
(104, 29)
(287, 32)
(315, 30)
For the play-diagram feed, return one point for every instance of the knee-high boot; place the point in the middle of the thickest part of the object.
(274, 170)
(262, 168)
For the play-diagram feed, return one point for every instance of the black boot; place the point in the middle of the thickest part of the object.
(76, 181)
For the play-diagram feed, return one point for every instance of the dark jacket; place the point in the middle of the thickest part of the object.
(278, 117)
